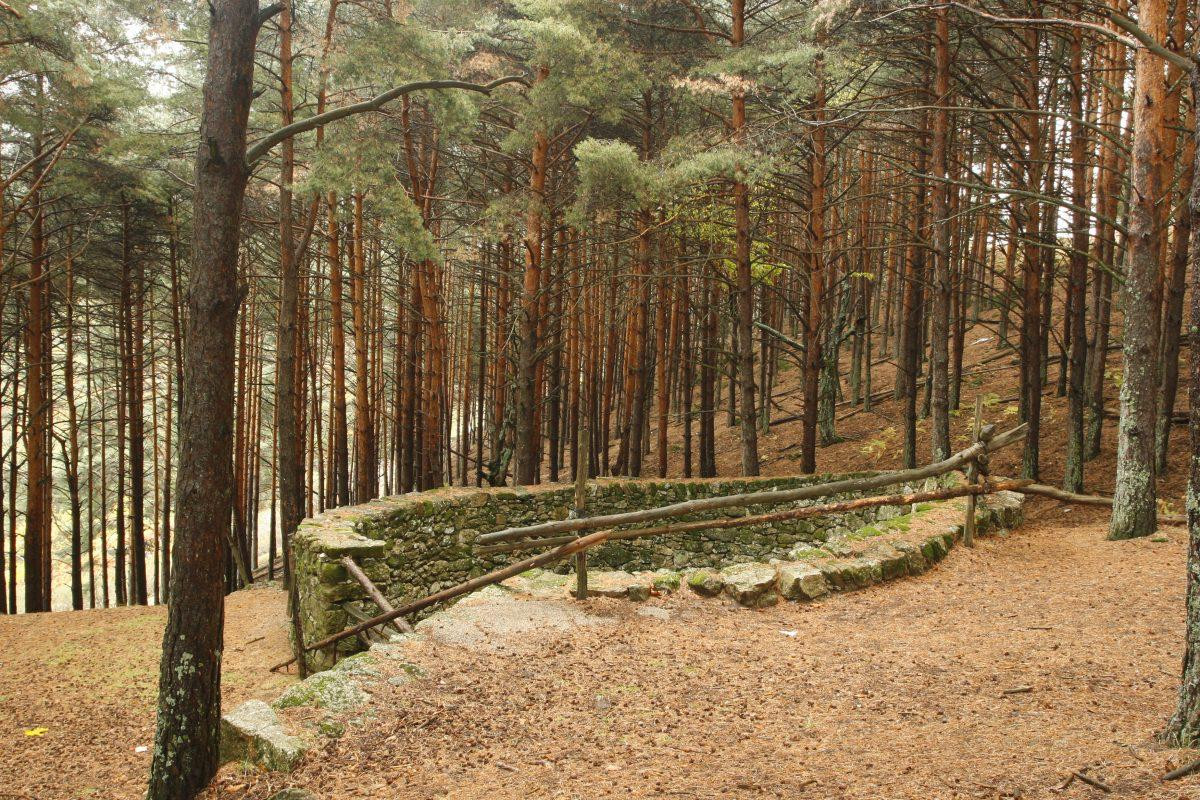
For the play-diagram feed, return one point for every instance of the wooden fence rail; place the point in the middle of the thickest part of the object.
(765, 498)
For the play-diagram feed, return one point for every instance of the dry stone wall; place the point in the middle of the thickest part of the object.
(413, 545)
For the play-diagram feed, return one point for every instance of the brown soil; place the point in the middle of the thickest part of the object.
(89, 678)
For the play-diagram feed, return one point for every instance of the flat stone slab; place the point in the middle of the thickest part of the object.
(491, 620)
(536, 582)
(252, 732)
(892, 562)
(852, 573)
(336, 542)
(635, 586)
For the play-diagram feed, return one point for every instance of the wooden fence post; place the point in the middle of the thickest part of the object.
(973, 476)
(582, 461)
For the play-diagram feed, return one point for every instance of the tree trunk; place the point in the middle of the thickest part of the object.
(939, 356)
(1183, 730)
(189, 700)
(37, 515)
(1134, 501)
(1077, 284)
(527, 455)
(743, 279)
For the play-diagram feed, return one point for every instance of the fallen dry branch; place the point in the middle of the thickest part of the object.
(1090, 781)
(1090, 500)
(779, 516)
(558, 554)
(1183, 772)
(956, 461)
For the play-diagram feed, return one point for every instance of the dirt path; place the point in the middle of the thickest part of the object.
(893, 692)
(83, 684)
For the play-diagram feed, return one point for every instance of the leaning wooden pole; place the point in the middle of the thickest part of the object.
(765, 498)
(373, 592)
(558, 554)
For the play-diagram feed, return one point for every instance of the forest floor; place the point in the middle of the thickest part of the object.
(78, 692)
(897, 691)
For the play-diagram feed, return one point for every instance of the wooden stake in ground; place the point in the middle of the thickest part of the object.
(973, 477)
(581, 477)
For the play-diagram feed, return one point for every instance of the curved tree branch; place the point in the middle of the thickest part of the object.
(264, 145)
(1136, 34)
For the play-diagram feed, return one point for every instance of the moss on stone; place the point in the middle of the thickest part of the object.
(332, 690)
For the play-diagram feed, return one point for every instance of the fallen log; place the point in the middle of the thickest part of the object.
(558, 554)
(956, 461)
(1177, 417)
(842, 507)
(401, 624)
(1089, 500)
(263, 571)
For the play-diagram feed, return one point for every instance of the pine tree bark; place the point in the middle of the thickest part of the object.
(1077, 283)
(337, 334)
(939, 356)
(1177, 269)
(287, 339)
(526, 452)
(134, 338)
(814, 349)
(364, 444)
(1134, 500)
(1183, 730)
(743, 277)
(37, 515)
(72, 454)
(189, 705)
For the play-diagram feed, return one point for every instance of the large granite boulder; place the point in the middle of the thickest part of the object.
(801, 581)
(852, 573)
(751, 585)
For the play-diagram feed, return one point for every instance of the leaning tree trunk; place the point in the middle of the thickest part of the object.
(189, 698)
(1134, 512)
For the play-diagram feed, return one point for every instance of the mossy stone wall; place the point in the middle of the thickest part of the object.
(416, 544)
